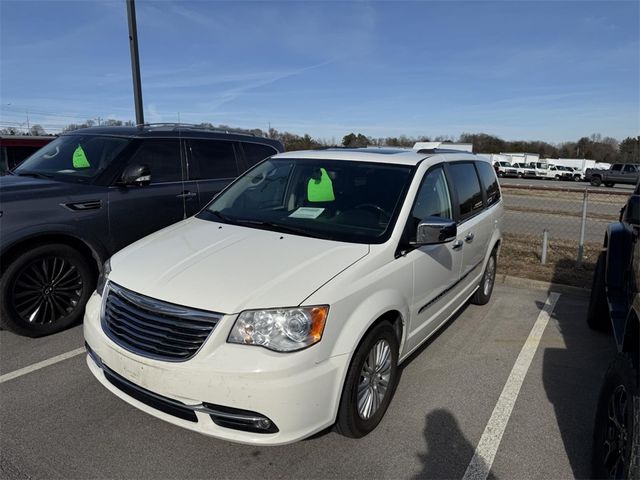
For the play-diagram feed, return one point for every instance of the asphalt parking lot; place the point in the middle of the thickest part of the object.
(58, 421)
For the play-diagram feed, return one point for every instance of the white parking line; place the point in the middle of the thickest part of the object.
(483, 457)
(37, 366)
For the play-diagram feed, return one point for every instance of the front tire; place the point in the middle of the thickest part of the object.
(44, 290)
(370, 383)
(596, 181)
(615, 441)
(598, 317)
(483, 294)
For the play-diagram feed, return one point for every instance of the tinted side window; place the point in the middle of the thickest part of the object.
(163, 158)
(630, 168)
(616, 168)
(490, 182)
(467, 185)
(215, 158)
(255, 152)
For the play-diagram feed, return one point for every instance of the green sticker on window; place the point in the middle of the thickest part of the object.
(320, 190)
(80, 158)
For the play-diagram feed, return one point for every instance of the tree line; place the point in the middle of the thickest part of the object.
(594, 147)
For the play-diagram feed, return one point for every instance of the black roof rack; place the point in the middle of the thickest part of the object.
(441, 150)
(192, 126)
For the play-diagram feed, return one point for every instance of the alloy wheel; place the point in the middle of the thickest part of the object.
(616, 433)
(490, 276)
(374, 379)
(46, 290)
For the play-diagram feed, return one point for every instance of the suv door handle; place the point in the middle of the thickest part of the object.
(457, 245)
(186, 195)
(469, 238)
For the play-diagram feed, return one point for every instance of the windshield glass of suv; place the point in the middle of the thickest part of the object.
(76, 157)
(338, 200)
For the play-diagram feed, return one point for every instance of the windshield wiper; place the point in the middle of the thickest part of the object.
(223, 217)
(278, 227)
(32, 174)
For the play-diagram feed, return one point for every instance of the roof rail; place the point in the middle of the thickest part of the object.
(425, 147)
(193, 126)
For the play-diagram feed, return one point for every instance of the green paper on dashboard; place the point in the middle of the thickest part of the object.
(80, 158)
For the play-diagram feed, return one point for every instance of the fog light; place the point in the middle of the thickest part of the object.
(263, 423)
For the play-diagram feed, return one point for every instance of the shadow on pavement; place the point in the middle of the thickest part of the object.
(448, 450)
(572, 375)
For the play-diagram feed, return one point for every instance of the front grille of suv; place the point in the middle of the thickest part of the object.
(153, 328)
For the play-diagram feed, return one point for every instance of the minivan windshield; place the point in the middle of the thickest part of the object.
(73, 157)
(347, 201)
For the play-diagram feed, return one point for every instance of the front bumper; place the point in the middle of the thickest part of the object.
(298, 394)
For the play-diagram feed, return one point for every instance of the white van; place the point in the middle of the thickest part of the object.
(286, 305)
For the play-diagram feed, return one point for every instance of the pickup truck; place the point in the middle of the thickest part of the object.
(628, 173)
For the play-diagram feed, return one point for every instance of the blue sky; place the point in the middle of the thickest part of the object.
(550, 70)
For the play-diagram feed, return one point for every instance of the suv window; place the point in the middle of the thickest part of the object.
(616, 168)
(256, 152)
(214, 158)
(630, 168)
(163, 158)
(467, 185)
(490, 182)
(432, 200)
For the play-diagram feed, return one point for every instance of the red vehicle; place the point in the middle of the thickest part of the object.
(16, 148)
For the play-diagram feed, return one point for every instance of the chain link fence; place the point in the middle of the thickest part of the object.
(555, 233)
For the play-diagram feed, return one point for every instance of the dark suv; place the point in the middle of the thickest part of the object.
(615, 306)
(89, 193)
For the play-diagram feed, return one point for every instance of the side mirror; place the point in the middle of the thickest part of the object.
(136, 175)
(436, 230)
(631, 212)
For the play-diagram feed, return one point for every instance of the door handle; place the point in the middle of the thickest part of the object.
(457, 245)
(469, 238)
(186, 194)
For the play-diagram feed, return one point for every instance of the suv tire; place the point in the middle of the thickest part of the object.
(616, 436)
(596, 181)
(374, 364)
(598, 317)
(50, 284)
(483, 294)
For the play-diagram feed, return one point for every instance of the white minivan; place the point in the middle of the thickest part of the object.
(286, 305)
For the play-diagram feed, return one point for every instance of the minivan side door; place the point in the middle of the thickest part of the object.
(137, 211)
(474, 229)
(215, 164)
(436, 268)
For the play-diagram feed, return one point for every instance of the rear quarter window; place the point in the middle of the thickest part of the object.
(467, 185)
(256, 152)
(489, 182)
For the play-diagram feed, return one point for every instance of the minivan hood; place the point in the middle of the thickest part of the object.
(229, 268)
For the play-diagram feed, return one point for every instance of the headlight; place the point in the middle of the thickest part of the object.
(282, 330)
(104, 275)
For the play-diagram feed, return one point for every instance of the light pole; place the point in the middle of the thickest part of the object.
(135, 61)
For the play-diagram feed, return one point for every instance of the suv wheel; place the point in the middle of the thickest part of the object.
(596, 181)
(598, 314)
(483, 294)
(615, 442)
(370, 383)
(44, 290)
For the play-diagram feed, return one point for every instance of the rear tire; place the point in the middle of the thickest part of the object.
(483, 294)
(596, 181)
(44, 290)
(616, 442)
(598, 317)
(361, 406)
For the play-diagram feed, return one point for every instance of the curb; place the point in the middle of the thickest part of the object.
(519, 282)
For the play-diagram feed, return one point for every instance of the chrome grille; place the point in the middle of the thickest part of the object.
(154, 328)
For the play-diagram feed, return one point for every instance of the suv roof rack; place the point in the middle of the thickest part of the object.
(192, 126)
(432, 147)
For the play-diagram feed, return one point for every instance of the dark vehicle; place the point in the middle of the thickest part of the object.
(627, 173)
(16, 148)
(89, 193)
(615, 306)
